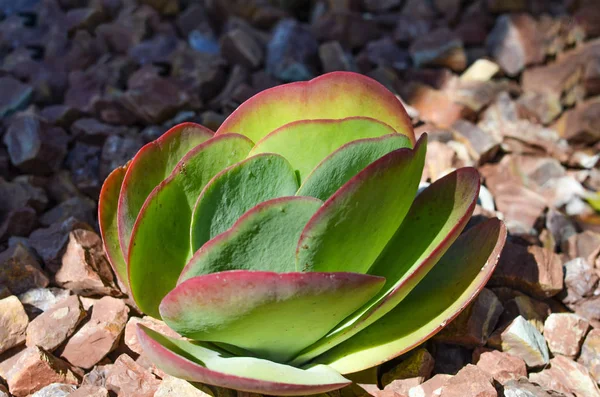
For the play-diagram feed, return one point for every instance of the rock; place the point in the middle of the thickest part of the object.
(503, 367)
(449, 359)
(171, 386)
(566, 376)
(35, 147)
(531, 309)
(127, 378)
(79, 207)
(352, 29)
(516, 42)
(561, 227)
(4, 391)
(90, 391)
(440, 47)
(50, 329)
(580, 124)
(581, 280)
(431, 387)
(533, 270)
(418, 365)
(55, 390)
(33, 369)
(384, 52)
(19, 194)
(84, 162)
(521, 339)
(469, 381)
(378, 6)
(440, 160)
(20, 271)
(15, 95)
(131, 339)
(42, 299)
(539, 108)
(523, 388)
(473, 325)
(589, 308)
(482, 146)
(13, 323)
(520, 206)
(51, 242)
(85, 269)
(93, 131)
(434, 106)
(99, 336)
(398, 387)
(334, 58)
(480, 70)
(564, 333)
(117, 151)
(18, 222)
(408, 29)
(590, 354)
(291, 51)
(60, 115)
(238, 47)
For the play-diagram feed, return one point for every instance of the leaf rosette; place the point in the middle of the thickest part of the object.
(290, 247)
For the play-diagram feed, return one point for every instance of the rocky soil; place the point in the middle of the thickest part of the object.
(511, 87)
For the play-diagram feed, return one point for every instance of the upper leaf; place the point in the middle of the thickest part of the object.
(355, 224)
(160, 239)
(274, 315)
(332, 96)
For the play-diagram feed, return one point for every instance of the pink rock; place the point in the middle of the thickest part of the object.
(430, 388)
(85, 269)
(32, 369)
(566, 376)
(434, 106)
(129, 379)
(590, 353)
(50, 329)
(502, 366)
(585, 245)
(564, 333)
(90, 391)
(469, 381)
(13, 323)
(99, 336)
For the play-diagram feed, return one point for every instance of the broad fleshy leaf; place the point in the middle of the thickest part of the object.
(235, 190)
(432, 224)
(264, 238)
(335, 95)
(161, 235)
(341, 165)
(306, 143)
(150, 166)
(198, 363)
(273, 315)
(107, 220)
(355, 224)
(444, 292)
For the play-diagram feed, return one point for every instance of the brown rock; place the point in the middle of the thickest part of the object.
(530, 309)
(85, 269)
(32, 369)
(502, 366)
(440, 47)
(99, 336)
(516, 42)
(482, 146)
(469, 381)
(539, 108)
(590, 354)
(566, 376)
(127, 378)
(430, 388)
(50, 329)
(532, 269)
(20, 271)
(131, 339)
(474, 325)
(418, 366)
(439, 160)
(434, 106)
(90, 391)
(581, 124)
(564, 333)
(13, 323)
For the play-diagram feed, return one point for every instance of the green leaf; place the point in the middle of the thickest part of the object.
(198, 363)
(335, 95)
(273, 315)
(237, 189)
(161, 236)
(150, 166)
(432, 224)
(446, 290)
(347, 161)
(306, 143)
(107, 220)
(264, 238)
(354, 225)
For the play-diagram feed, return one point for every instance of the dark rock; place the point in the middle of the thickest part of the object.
(380, 5)
(35, 147)
(117, 151)
(15, 95)
(84, 18)
(539, 108)
(154, 50)
(408, 29)
(384, 52)
(60, 115)
(238, 47)
(19, 194)
(449, 359)
(82, 208)
(581, 124)
(353, 30)
(84, 163)
(334, 58)
(418, 364)
(20, 271)
(291, 52)
(440, 47)
(18, 222)
(94, 132)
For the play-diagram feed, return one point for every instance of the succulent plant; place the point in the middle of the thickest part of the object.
(291, 247)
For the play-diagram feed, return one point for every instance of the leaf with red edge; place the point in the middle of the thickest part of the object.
(273, 315)
(334, 95)
(150, 166)
(199, 363)
(446, 290)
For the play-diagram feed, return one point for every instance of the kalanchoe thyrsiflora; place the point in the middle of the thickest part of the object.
(290, 247)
